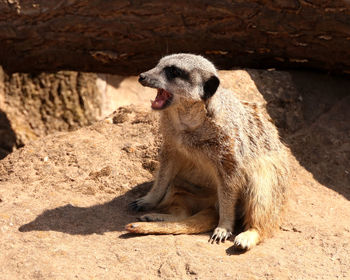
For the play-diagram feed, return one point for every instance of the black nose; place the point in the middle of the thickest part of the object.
(142, 77)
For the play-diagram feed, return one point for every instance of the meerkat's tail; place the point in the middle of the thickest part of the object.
(203, 221)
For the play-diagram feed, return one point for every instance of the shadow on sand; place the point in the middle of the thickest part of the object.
(313, 119)
(100, 218)
(7, 136)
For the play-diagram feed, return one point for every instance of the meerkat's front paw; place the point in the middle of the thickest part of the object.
(220, 235)
(247, 239)
(152, 217)
(140, 204)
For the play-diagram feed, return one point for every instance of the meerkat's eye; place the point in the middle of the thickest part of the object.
(173, 72)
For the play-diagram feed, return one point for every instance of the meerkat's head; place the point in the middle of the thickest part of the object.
(181, 76)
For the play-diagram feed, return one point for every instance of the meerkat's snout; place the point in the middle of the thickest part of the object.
(146, 80)
(142, 77)
(163, 98)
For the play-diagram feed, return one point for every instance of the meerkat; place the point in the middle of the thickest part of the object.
(220, 156)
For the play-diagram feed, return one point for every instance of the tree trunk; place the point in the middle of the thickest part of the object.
(127, 37)
(32, 106)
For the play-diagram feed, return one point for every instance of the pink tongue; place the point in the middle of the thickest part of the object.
(160, 100)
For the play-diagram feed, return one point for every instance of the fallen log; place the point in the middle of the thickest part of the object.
(126, 37)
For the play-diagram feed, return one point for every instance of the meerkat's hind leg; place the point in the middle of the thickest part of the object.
(247, 239)
(263, 203)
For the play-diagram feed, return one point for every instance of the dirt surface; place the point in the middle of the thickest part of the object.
(63, 198)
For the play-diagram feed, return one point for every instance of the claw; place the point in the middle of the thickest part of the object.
(216, 238)
(219, 235)
(211, 239)
(228, 235)
(135, 207)
(225, 238)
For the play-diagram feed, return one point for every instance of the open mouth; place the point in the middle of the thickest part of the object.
(163, 99)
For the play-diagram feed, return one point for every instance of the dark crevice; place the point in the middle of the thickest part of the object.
(7, 136)
(314, 123)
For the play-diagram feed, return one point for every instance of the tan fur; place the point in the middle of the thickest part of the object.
(203, 221)
(217, 151)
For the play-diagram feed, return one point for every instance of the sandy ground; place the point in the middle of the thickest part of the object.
(63, 198)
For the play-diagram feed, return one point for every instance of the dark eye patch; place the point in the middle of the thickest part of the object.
(173, 72)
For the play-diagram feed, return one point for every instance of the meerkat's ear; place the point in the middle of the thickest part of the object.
(210, 87)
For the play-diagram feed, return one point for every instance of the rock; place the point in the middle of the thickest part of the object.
(35, 105)
(64, 196)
